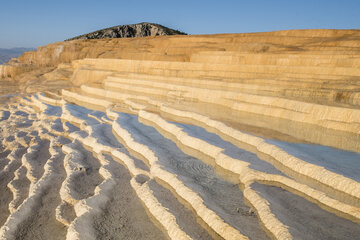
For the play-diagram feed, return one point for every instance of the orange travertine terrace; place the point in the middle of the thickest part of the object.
(253, 91)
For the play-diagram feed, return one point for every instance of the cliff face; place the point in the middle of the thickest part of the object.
(130, 31)
(309, 45)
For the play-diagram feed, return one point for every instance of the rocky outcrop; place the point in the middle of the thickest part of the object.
(130, 31)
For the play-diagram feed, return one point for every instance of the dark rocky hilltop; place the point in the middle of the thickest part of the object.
(128, 31)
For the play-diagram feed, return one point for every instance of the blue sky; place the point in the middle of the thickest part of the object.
(32, 23)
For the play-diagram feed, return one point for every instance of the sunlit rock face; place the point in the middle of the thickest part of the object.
(232, 136)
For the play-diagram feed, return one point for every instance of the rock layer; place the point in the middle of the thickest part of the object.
(219, 130)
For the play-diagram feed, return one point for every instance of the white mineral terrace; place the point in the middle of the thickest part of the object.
(227, 136)
(104, 164)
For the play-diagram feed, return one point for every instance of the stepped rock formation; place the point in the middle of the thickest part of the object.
(230, 136)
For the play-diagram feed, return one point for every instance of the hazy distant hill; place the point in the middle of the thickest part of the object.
(133, 30)
(7, 54)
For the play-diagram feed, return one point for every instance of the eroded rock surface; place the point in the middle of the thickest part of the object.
(132, 30)
(239, 136)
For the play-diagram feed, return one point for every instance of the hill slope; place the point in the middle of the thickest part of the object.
(133, 30)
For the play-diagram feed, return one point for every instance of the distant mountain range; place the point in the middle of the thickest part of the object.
(7, 54)
(128, 31)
